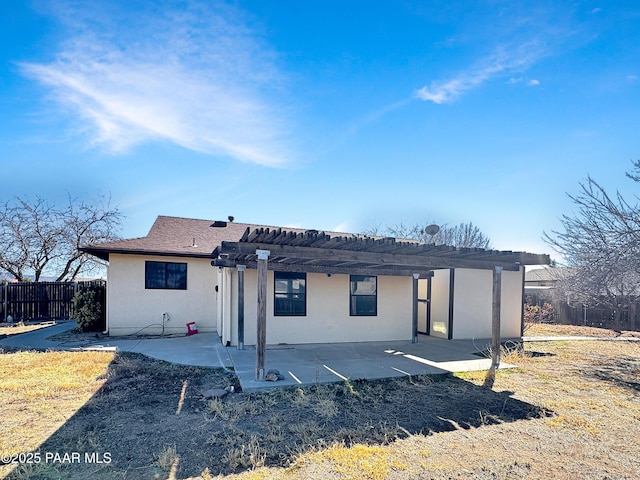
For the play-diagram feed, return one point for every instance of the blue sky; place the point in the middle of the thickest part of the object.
(336, 115)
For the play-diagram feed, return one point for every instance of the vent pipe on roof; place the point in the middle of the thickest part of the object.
(230, 218)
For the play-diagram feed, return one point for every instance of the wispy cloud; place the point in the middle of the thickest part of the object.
(195, 76)
(530, 83)
(505, 61)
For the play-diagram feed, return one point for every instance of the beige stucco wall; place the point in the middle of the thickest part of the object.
(328, 319)
(131, 308)
(440, 303)
(473, 299)
(472, 303)
(511, 311)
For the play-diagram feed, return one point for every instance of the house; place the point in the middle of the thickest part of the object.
(540, 283)
(318, 287)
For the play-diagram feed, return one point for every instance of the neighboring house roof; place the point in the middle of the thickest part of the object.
(547, 274)
(539, 275)
(175, 236)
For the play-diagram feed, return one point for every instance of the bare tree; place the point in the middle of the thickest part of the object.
(601, 244)
(37, 238)
(464, 235)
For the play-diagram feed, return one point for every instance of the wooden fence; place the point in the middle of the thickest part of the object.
(625, 318)
(39, 300)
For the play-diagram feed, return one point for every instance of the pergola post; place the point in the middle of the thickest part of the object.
(414, 323)
(495, 318)
(241, 269)
(261, 337)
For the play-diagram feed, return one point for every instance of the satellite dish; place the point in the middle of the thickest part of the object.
(431, 229)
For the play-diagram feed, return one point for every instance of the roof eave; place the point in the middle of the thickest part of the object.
(103, 253)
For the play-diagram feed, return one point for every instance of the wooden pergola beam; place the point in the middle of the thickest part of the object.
(317, 268)
(324, 255)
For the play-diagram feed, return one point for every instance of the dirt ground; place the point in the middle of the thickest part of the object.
(569, 410)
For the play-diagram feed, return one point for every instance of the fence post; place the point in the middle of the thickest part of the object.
(6, 297)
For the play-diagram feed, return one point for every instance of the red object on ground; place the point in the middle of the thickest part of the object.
(191, 328)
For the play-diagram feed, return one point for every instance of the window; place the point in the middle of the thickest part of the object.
(290, 294)
(363, 295)
(165, 275)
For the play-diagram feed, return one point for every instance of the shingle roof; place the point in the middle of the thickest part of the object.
(547, 274)
(178, 236)
(174, 236)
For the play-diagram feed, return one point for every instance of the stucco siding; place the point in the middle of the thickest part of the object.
(511, 303)
(327, 319)
(133, 309)
(473, 301)
(440, 303)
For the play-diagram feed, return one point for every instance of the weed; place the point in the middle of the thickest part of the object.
(348, 388)
(230, 411)
(299, 399)
(325, 408)
(216, 407)
(167, 458)
(274, 434)
(246, 455)
(308, 432)
(35, 471)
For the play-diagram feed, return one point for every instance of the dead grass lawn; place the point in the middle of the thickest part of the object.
(8, 329)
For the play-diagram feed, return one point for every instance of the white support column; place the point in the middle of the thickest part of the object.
(241, 269)
(414, 321)
(219, 302)
(226, 307)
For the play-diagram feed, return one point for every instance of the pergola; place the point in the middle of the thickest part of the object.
(313, 251)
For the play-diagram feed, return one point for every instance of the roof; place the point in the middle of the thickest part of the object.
(549, 274)
(305, 250)
(174, 236)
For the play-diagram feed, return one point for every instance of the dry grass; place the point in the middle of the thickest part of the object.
(8, 329)
(569, 410)
(40, 391)
(542, 329)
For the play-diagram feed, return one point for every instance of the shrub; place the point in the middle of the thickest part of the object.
(537, 314)
(88, 309)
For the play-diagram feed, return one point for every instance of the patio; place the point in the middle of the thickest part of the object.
(327, 363)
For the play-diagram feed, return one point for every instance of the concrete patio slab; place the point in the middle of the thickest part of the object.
(328, 363)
